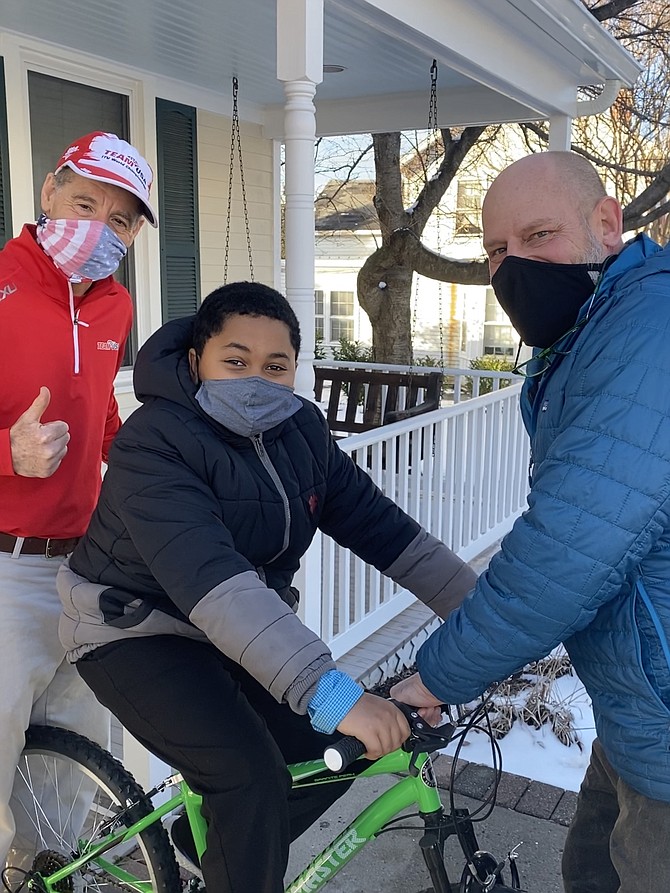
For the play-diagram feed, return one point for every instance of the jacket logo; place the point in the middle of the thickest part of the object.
(7, 290)
(108, 345)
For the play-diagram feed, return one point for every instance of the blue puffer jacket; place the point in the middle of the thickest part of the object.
(588, 563)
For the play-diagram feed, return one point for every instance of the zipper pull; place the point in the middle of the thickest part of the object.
(257, 440)
(80, 322)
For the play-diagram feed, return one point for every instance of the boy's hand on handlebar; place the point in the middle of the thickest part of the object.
(377, 723)
(412, 691)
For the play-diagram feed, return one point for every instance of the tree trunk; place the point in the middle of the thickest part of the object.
(388, 303)
(385, 280)
(385, 290)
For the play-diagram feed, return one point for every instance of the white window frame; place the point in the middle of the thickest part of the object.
(327, 316)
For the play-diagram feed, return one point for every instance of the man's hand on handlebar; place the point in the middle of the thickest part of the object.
(377, 723)
(412, 691)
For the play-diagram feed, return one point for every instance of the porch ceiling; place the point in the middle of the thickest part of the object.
(498, 59)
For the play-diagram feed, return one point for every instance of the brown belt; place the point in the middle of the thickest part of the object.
(35, 545)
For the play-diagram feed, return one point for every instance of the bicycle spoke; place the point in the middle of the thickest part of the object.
(67, 794)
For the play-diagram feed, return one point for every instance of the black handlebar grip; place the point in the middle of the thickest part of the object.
(343, 753)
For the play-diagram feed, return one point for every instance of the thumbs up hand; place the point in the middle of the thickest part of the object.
(38, 449)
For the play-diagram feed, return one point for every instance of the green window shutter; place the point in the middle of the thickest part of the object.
(5, 205)
(178, 220)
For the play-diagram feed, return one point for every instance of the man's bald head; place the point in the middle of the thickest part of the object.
(550, 206)
(554, 173)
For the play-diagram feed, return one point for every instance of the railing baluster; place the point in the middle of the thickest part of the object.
(460, 471)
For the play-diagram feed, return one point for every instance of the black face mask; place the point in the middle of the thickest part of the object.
(543, 300)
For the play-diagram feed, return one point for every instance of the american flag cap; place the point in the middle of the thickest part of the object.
(107, 158)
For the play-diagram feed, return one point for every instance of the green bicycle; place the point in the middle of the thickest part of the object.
(121, 844)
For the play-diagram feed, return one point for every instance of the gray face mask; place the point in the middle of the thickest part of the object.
(247, 406)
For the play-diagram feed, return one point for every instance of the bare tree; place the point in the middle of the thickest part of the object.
(629, 146)
(385, 280)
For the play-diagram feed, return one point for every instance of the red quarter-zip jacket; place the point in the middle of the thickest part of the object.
(74, 346)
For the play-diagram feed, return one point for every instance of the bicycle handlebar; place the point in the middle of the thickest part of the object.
(423, 739)
(343, 753)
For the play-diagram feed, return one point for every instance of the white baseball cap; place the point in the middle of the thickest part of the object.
(104, 157)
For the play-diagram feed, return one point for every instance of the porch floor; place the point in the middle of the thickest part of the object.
(393, 648)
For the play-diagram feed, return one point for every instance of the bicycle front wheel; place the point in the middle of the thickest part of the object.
(66, 788)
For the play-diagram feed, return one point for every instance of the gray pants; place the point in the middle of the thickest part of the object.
(37, 685)
(619, 840)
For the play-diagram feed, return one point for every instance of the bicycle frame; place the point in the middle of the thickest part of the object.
(419, 789)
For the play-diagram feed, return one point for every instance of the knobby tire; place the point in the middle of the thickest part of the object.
(87, 770)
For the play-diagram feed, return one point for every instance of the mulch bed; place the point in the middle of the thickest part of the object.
(382, 688)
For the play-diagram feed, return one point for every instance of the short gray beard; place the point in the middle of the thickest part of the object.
(594, 251)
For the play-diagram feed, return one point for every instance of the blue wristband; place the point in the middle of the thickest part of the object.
(335, 695)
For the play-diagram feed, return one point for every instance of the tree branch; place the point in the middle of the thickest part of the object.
(644, 218)
(407, 248)
(653, 194)
(598, 160)
(455, 151)
(612, 9)
(388, 199)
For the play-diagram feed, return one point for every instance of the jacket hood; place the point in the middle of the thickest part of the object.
(640, 258)
(161, 368)
(640, 252)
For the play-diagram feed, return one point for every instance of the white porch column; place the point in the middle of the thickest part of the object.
(560, 127)
(300, 67)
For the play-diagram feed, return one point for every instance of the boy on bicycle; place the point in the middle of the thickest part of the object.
(178, 604)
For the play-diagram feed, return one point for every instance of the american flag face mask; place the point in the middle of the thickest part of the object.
(85, 250)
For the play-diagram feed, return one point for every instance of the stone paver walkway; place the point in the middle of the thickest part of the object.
(533, 798)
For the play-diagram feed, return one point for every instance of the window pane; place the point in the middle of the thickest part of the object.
(318, 302)
(500, 339)
(494, 312)
(342, 303)
(61, 111)
(468, 208)
(341, 328)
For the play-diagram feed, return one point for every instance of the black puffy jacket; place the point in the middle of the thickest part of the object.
(199, 529)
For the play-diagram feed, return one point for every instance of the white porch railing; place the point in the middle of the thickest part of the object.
(461, 471)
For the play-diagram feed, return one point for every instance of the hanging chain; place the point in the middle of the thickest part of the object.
(430, 156)
(434, 133)
(415, 316)
(236, 144)
(432, 113)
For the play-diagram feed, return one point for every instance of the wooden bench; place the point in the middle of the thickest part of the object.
(365, 396)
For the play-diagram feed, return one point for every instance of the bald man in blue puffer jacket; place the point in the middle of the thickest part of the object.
(588, 563)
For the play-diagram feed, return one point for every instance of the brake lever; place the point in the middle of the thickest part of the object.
(424, 738)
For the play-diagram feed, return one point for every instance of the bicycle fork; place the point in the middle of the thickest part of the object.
(438, 827)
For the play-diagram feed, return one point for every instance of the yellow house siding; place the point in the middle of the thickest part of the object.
(213, 175)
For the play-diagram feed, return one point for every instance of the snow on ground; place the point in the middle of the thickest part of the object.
(538, 753)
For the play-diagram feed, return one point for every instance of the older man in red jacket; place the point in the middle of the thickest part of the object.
(64, 322)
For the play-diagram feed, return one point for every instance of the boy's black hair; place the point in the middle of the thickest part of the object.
(242, 299)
